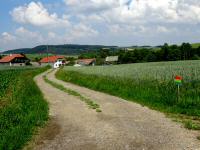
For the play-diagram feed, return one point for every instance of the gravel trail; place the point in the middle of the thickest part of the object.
(121, 125)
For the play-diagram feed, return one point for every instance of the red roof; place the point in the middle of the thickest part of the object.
(86, 61)
(9, 58)
(51, 59)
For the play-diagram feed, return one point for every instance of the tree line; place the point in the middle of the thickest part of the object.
(137, 55)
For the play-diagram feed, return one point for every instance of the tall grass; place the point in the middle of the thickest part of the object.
(190, 70)
(26, 110)
(150, 84)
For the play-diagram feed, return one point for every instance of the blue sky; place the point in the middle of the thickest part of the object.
(28, 23)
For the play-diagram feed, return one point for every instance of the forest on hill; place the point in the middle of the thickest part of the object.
(66, 49)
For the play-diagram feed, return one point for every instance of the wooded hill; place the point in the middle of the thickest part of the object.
(67, 49)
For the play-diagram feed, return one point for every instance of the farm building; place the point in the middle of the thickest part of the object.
(54, 61)
(14, 60)
(111, 59)
(85, 62)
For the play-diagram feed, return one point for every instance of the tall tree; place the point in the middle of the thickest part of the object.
(104, 53)
(165, 50)
(186, 51)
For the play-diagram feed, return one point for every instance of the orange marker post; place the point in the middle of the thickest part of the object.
(178, 81)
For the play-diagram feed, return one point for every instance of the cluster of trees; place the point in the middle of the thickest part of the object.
(164, 53)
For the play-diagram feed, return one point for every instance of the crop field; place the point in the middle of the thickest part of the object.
(22, 106)
(150, 84)
(190, 70)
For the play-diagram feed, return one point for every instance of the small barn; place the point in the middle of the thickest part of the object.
(54, 61)
(86, 62)
(14, 60)
(111, 60)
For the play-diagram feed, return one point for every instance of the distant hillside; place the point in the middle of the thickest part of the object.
(21, 50)
(196, 45)
(68, 49)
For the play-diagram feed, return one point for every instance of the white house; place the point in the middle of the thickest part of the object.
(58, 63)
(111, 59)
(54, 61)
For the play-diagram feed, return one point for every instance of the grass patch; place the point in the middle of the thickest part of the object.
(26, 110)
(98, 110)
(89, 102)
(191, 125)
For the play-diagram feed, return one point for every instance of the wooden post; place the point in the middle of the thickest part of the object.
(178, 81)
(178, 92)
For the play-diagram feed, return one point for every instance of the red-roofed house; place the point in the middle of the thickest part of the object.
(14, 60)
(86, 62)
(54, 61)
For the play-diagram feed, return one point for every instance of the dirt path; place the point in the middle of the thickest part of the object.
(121, 125)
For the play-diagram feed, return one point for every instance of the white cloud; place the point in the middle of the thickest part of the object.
(7, 37)
(23, 37)
(134, 11)
(51, 35)
(90, 5)
(36, 14)
(162, 29)
(24, 33)
(81, 30)
(121, 29)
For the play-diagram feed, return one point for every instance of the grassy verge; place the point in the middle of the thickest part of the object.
(155, 94)
(25, 111)
(190, 122)
(89, 102)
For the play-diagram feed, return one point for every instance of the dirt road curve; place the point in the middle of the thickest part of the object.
(121, 125)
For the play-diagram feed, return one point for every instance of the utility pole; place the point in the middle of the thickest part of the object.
(47, 53)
